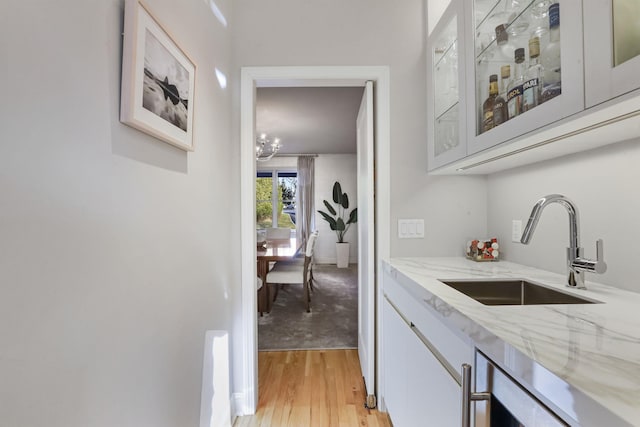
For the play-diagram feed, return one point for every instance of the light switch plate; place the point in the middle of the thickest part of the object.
(516, 230)
(411, 228)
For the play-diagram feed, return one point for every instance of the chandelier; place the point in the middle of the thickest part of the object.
(266, 148)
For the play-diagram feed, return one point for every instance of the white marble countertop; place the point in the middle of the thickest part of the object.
(592, 350)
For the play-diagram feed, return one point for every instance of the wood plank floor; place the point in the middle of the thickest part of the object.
(311, 388)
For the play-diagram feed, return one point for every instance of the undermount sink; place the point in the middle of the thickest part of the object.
(513, 292)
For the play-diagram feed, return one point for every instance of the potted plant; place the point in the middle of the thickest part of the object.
(336, 219)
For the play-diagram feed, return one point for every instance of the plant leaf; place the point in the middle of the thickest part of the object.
(329, 207)
(345, 201)
(329, 219)
(337, 193)
(353, 216)
(340, 226)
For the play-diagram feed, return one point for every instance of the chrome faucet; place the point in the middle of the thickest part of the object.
(576, 264)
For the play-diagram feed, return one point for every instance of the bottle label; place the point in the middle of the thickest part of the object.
(554, 15)
(514, 101)
(499, 112)
(488, 120)
(550, 91)
(530, 92)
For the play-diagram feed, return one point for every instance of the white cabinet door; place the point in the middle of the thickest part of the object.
(485, 58)
(434, 397)
(446, 122)
(611, 49)
(396, 333)
(418, 389)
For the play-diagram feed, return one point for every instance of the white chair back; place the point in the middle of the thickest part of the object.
(278, 233)
(311, 243)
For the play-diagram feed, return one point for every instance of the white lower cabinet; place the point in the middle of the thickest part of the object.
(422, 385)
(396, 333)
(434, 396)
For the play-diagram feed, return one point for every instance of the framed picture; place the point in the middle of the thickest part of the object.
(158, 80)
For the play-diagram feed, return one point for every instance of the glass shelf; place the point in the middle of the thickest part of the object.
(445, 59)
(446, 130)
(522, 19)
(446, 80)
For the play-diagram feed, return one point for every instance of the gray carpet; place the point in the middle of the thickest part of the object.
(332, 323)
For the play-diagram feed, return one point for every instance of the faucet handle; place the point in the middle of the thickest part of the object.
(600, 266)
(584, 264)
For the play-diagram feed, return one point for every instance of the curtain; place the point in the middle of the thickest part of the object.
(305, 194)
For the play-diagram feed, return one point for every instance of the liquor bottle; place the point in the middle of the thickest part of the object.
(509, 15)
(517, 24)
(539, 18)
(505, 75)
(500, 110)
(487, 107)
(514, 90)
(532, 85)
(505, 48)
(550, 57)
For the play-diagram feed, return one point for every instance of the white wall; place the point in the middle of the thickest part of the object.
(289, 163)
(111, 262)
(373, 32)
(330, 168)
(603, 183)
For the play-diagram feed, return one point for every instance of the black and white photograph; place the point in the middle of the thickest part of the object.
(166, 83)
(157, 80)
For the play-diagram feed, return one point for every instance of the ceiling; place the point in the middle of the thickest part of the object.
(309, 120)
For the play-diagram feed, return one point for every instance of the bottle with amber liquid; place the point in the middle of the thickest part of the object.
(500, 110)
(487, 108)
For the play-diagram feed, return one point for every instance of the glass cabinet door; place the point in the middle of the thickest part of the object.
(612, 48)
(445, 86)
(521, 50)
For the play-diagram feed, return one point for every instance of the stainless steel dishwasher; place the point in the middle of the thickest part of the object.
(500, 401)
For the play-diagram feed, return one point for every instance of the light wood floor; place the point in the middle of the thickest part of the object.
(311, 388)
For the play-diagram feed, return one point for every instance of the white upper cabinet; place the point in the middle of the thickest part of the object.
(612, 48)
(542, 78)
(501, 29)
(446, 83)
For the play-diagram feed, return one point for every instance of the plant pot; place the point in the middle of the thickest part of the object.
(342, 255)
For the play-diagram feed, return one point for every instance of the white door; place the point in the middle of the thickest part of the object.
(366, 263)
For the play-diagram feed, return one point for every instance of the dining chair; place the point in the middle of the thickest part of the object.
(278, 233)
(300, 261)
(295, 273)
(258, 287)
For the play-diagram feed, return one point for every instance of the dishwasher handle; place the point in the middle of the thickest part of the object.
(468, 396)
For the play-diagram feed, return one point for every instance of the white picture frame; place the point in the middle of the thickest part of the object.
(158, 80)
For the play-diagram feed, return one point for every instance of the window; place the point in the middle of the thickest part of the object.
(276, 199)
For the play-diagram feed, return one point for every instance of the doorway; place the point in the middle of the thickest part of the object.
(245, 402)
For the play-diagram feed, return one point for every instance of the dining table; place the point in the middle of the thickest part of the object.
(272, 250)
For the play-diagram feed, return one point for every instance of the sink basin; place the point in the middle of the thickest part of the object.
(513, 292)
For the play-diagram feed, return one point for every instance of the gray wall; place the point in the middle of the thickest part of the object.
(373, 32)
(603, 183)
(115, 256)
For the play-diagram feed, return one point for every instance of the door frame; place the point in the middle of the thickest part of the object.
(245, 400)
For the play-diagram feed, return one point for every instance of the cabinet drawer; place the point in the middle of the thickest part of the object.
(429, 323)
